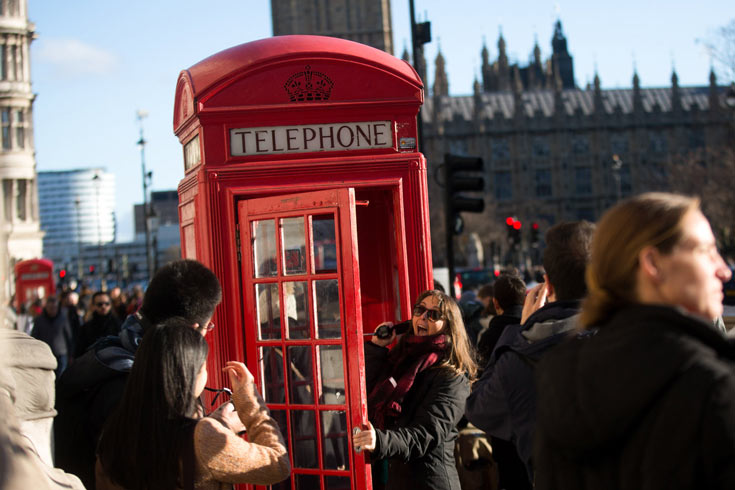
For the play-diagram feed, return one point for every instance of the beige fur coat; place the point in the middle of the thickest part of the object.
(223, 458)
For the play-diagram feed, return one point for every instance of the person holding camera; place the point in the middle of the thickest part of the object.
(416, 395)
(155, 440)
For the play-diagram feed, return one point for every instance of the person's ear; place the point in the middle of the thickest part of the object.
(550, 293)
(649, 261)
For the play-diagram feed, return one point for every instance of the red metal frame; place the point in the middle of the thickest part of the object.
(33, 273)
(378, 196)
(341, 204)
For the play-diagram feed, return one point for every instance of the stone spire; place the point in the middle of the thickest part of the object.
(675, 92)
(503, 65)
(714, 99)
(441, 82)
(405, 56)
(487, 74)
(637, 98)
(597, 97)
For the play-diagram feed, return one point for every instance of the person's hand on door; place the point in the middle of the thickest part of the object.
(364, 440)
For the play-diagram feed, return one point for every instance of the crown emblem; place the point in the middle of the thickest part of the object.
(307, 86)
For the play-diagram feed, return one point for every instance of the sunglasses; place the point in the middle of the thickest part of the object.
(433, 315)
(219, 391)
(102, 303)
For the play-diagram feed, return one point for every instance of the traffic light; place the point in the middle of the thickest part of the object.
(462, 174)
(91, 269)
(62, 274)
(514, 230)
(534, 233)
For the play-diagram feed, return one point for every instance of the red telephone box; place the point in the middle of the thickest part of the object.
(306, 195)
(34, 278)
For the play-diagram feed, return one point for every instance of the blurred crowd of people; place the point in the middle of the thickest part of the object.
(612, 371)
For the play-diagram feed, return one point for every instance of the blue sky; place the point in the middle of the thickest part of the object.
(95, 63)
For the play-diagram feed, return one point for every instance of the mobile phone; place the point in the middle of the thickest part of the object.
(385, 331)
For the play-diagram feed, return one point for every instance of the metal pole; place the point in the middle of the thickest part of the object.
(118, 278)
(415, 51)
(80, 270)
(98, 182)
(449, 227)
(141, 142)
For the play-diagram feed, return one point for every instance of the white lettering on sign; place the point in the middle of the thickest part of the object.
(318, 137)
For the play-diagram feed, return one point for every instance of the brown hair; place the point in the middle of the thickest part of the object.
(460, 357)
(566, 256)
(652, 219)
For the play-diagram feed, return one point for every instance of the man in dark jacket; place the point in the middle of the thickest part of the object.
(93, 386)
(103, 323)
(52, 327)
(509, 292)
(503, 401)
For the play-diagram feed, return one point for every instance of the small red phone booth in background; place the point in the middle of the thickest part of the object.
(34, 278)
(306, 195)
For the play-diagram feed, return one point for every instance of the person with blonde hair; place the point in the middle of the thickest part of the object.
(416, 395)
(644, 397)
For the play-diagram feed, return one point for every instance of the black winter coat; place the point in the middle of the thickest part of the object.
(419, 444)
(646, 403)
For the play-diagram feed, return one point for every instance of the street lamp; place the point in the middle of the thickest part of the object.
(80, 269)
(141, 142)
(97, 183)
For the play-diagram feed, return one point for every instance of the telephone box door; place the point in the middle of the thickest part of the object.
(303, 329)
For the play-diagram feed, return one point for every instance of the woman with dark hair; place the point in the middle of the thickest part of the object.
(645, 397)
(154, 441)
(416, 395)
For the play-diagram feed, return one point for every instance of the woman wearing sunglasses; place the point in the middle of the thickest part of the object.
(416, 396)
(154, 440)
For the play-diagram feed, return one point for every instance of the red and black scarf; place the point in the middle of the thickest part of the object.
(416, 354)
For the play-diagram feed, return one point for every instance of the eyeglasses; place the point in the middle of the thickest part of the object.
(433, 315)
(219, 391)
(102, 303)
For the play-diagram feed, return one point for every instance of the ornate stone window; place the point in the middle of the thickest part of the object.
(543, 183)
(503, 185)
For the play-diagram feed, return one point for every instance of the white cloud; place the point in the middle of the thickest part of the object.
(72, 57)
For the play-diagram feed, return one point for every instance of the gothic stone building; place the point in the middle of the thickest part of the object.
(364, 21)
(555, 152)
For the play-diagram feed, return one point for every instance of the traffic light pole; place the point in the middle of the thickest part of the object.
(449, 226)
(458, 178)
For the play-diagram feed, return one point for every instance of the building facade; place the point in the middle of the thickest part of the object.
(77, 210)
(364, 21)
(555, 152)
(19, 218)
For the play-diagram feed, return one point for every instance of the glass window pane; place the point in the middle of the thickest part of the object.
(280, 416)
(271, 367)
(296, 297)
(303, 436)
(307, 482)
(334, 440)
(294, 245)
(264, 248)
(300, 379)
(336, 483)
(269, 316)
(326, 300)
(282, 485)
(332, 391)
(325, 244)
